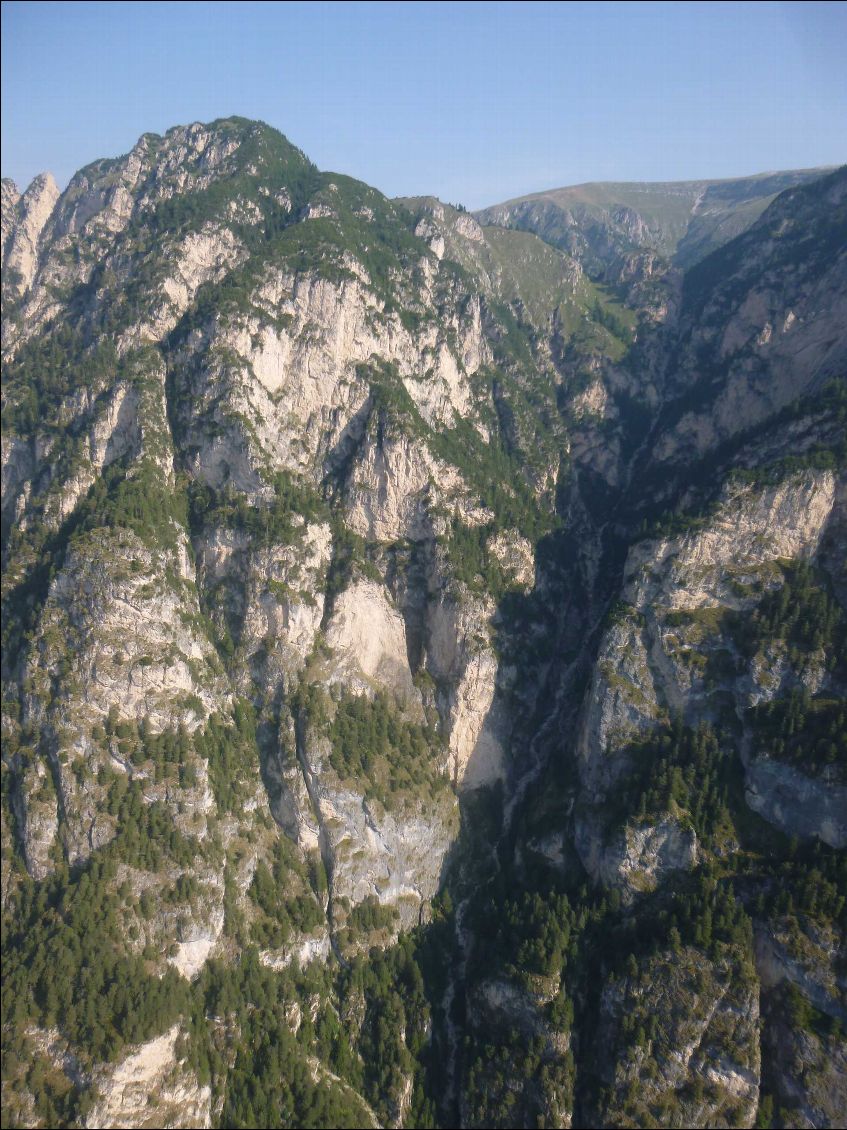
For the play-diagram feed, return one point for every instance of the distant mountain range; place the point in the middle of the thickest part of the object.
(683, 220)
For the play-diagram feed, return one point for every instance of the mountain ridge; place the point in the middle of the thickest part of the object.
(693, 183)
(692, 218)
(423, 657)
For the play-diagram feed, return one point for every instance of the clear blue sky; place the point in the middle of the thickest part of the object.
(474, 103)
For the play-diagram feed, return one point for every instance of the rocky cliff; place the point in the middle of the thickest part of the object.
(424, 651)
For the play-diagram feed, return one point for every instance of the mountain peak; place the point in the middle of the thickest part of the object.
(24, 219)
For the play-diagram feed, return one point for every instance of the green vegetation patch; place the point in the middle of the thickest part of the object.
(372, 744)
(803, 613)
(807, 732)
(232, 755)
(280, 913)
(471, 560)
(279, 521)
(65, 966)
(690, 773)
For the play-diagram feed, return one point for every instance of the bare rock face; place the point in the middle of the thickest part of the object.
(395, 484)
(201, 257)
(35, 807)
(653, 659)
(810, 1073)
(391, 848)
(637, 857)
(759, 322)
(150, 1084)
(377, 845)
(368, 638)
(8, 213)
(623, 702)
(750, 529)
(391, 851)
(298, 368)
(272, 593)
(665, 1036)
(805, 1001)
(801, 804)
(461, 660)
(24, 220)
(806, 955)
(138, 652)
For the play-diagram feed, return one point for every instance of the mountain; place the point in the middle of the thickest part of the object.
(423, 652)
(682, 221)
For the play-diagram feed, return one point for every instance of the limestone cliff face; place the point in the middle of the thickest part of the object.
(687, 1005)
(766, 333)
(807, 956)
(792, 800)
(638, 857)
(463, 664)
(367, 568)
(24, 220)
(150, 1081)
(670, 654)
(8, 215)
(807, 1062)
(290, 381)
(76, 229)
(392, 853)
(811, 1075)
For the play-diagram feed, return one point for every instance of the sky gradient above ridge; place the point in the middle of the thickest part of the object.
(474, 103)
